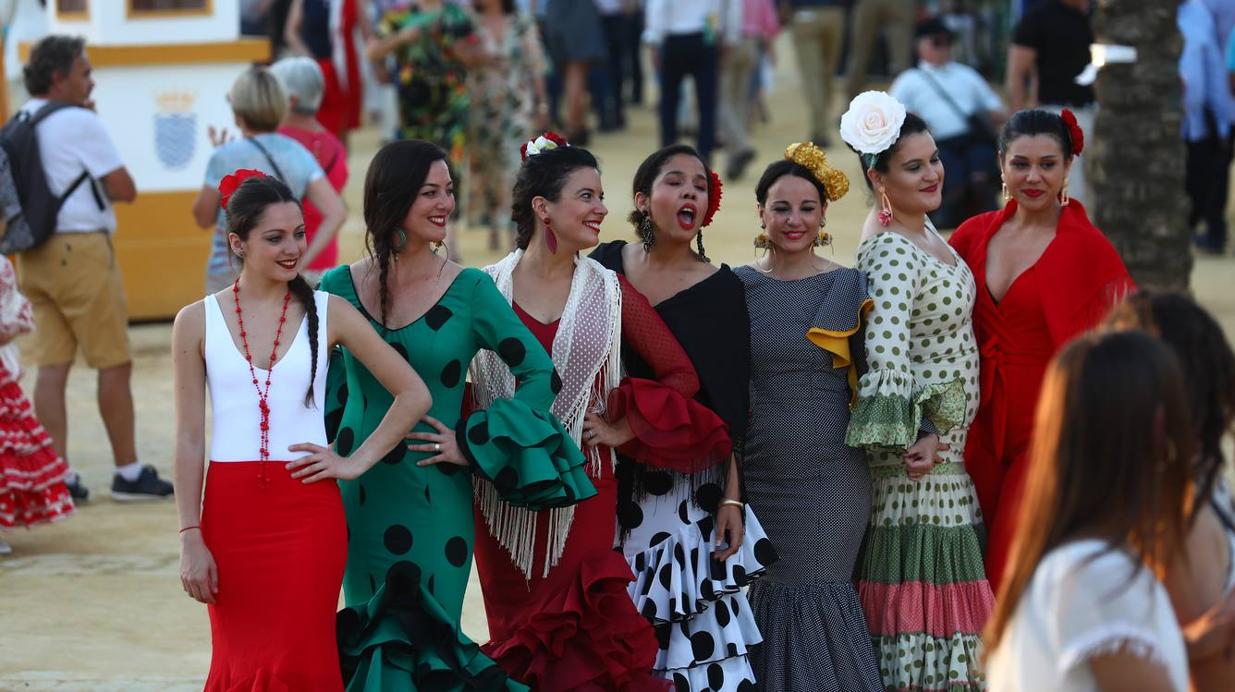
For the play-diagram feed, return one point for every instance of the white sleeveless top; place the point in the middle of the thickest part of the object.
(235, 418)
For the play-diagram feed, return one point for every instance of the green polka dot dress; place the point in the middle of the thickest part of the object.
(920, 579)
(411, 528)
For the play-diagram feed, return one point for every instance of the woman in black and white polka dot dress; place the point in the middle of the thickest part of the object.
(689, 540)
(811, 491)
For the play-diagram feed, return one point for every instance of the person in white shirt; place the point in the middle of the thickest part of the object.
(951, 97)
(685, 38)
(72, 280)
(1106, 510)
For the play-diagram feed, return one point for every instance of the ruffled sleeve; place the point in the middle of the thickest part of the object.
(839, 321)
(516, 443)
(892, 407)
(672, 430)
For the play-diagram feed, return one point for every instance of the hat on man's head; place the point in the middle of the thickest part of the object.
(932, 26)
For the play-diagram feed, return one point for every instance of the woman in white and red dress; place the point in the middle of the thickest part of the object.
(32, 474)
(266, 549)
(556, 591)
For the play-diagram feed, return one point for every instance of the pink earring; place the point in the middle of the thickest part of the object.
(885, 214)
(550, 237)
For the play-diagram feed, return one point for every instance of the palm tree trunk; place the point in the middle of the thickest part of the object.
(1136, 164)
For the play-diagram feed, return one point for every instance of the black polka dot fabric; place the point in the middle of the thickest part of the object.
(695, 603)
(810, 490)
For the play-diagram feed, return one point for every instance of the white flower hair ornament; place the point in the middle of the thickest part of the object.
(547, 141)
(872, 124)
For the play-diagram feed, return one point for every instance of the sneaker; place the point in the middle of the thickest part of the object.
(738, 163)
(5, 548)
(79, 492)
(148, 486)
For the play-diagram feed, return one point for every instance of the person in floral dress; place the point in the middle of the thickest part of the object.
(508, 95)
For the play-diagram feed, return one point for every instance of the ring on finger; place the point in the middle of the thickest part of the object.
(437, 446)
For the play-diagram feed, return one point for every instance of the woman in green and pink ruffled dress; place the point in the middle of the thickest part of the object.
(921, 581)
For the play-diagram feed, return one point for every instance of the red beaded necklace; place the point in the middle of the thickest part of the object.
(262, 405)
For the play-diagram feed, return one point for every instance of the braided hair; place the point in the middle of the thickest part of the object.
(245, 209)
(390, 188)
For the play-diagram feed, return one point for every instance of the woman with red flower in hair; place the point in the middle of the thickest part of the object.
(1045, 274)
(263, 536)
(685, 531)
(555, 589)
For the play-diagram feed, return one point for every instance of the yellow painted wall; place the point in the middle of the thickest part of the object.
(162, 253)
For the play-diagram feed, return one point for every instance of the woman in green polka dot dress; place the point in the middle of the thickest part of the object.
(410, 521)
(920, 579)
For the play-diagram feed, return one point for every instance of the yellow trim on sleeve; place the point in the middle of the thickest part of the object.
(837, 343)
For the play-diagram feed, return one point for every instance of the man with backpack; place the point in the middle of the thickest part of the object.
(68, 267)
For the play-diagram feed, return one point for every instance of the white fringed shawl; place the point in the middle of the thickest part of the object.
(587, 344)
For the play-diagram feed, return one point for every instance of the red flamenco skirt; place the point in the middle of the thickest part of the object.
(575, 629)
(32, 474)
(280, 548)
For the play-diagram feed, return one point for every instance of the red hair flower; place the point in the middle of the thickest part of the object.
(543, 143)
(715, 192)
(229, 183)
(1074, 132)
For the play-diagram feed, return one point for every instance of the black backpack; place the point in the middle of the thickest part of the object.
(37, 209)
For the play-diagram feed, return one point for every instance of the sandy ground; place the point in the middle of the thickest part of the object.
(94, 603)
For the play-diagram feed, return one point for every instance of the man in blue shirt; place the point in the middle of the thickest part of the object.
(1208, 114)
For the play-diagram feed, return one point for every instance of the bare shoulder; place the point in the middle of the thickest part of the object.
(191, 317)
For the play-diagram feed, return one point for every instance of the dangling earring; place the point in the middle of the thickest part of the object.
(824, 238)
(1064, 198)
(1003, 189)
(438, 245)
(647, 234)
(550, 236)
(885, 213)
(703, 257)
(400, 243)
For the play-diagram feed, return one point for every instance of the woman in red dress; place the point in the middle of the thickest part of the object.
(555, 589)
(1045, 275)
(267, 546)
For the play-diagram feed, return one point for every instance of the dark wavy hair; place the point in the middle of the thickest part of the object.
(651, 167)
(244, 212)
(1035, 121)
(543, 175)
(1208, 366)
(52, 55)
(912, 126)
(390, 188)
(782, 168)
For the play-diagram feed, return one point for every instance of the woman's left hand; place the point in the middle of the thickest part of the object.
(730, 529)
(323, 463)
(599, 432)
(442, 443)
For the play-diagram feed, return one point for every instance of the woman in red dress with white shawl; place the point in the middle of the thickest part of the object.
(555, 589)
(1045, 274)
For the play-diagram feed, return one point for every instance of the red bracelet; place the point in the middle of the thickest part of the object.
(187, 528)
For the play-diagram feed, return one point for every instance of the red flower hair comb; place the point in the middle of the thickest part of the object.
(1074, 132)
(715, 192)
(229, 183)
(543, 143)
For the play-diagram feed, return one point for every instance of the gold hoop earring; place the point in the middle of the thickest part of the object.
(824, 238)
(1064, 197)
(762, 242)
